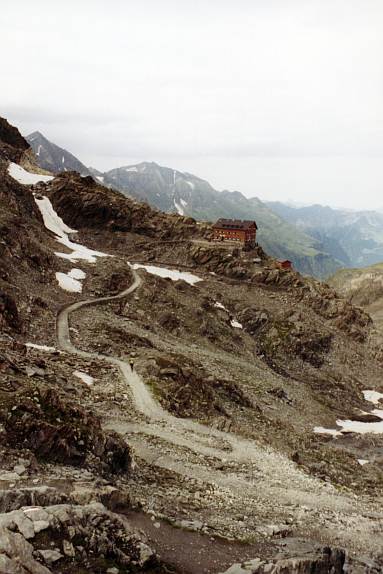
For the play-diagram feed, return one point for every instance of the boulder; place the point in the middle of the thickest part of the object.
(58, 430)
(105, 537)
(16, 555)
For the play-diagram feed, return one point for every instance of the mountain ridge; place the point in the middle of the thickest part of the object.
(173, 191)
(184, 193)
(52, 157)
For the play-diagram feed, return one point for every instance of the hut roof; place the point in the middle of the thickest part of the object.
(235, 224)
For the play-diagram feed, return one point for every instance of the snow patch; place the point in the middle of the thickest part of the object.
(38, 150)
(68, 283)
(183, 202)
(363, 428)
(133, 168)
(77, 274)
(363, 461)
(71, 281)
(373, 396)
(100, 178)
(63, 159)
(172, 274)
(54, 223)
(359, 426)
(220, 306)
(40, 347)
(179, 208)
(87, 379)
(190, 184)
(233, 322)
(25, 177)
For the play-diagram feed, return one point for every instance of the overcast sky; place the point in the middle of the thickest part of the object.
(280, 99)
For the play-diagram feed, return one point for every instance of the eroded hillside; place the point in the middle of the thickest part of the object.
(209, 443)
(363, 287)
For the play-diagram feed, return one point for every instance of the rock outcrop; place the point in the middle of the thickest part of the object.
(41, 540)
(319, 296)
(84, 204)
(58, 430)
(26, 260)
(12, 144)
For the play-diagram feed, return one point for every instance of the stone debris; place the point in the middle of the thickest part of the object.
(102, 532)
(50, 556)
(17, 555)
(325, 561)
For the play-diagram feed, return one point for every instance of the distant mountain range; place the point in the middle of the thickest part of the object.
(355, 238)
(318, 240)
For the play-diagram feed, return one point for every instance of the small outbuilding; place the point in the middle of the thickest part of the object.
(285, 264)
(241, 231)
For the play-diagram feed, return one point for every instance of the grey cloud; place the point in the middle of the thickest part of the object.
(271, 97)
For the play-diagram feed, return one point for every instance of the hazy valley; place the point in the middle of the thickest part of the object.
(354, 238)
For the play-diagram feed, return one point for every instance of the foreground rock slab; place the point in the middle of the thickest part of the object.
(71, 534)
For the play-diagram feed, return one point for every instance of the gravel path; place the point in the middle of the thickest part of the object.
(278, 486)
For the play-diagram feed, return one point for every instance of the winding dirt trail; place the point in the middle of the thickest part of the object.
(182, 432)
(277, 485)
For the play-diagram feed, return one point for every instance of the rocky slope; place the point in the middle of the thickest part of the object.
(208, 445)
(174, 191)
(13, 146)
(89, 205)
(49, 430)
(355, 238)
(363, 287)
(53, 158)
(27, 264)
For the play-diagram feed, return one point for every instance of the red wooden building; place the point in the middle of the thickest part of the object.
(285, 264)
(244, 232)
